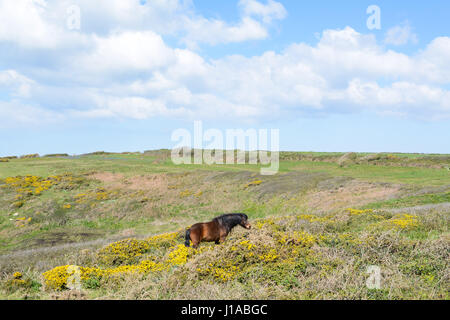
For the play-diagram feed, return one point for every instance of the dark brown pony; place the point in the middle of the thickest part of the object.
(215, 230)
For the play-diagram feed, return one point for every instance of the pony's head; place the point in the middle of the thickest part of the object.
(230, 220)
(244, 221)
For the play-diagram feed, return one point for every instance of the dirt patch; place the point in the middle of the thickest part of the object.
(157, 182)
(59, 238)
(107, 177)
(289, 183)
(148, 182)
(349, 193)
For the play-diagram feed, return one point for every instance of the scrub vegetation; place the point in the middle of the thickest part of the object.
(111, 226)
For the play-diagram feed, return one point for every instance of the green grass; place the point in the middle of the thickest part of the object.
(410, 201)
(140, 164)
(371, 173)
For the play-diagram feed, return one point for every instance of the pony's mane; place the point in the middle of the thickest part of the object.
(230, 215)
(230, 219)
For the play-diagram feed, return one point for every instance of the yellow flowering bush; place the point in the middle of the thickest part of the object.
(163, 240)
(269, 256)
(315, 218)
(357, 212)
(31, 184)
(253, 183)
(248, 252)
(344, 239)
(261, 223)
(180, 254)
(28, 186)
(101, 195)
(220, 273)
(80, 196)
(94, 195)
(17, 282)
(405, 221)
(186, 193)
(23, 221)
(57, 277)
(300, 238)
(246, 244)
(122, 252)
(225, 274)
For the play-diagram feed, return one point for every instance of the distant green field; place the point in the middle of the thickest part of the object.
(411, 201)
(408, 175)
(141, 164)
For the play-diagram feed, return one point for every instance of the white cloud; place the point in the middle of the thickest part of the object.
(253, 24)
(271, 11)
(127, 51)
(401, 35)
(102, 16)
(433, 63)
(36, 24)
(16, 83)
(132, 72)
(129, 107)
(43, 24)
(14, 112)
(401, 98)
(23, 22)
(212, 31)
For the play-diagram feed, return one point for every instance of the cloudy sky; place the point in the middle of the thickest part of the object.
(127, 73)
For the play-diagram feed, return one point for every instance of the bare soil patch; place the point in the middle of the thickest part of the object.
(157, 182)
(350, 193)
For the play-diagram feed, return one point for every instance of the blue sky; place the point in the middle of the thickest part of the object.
(134, 71)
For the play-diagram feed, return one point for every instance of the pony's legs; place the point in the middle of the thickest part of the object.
(195, 237)
(195, 241)
(221, 240)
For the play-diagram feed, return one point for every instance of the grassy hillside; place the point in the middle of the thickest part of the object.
(318, 225)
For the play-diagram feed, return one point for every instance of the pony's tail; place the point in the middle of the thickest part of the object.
(187, 241)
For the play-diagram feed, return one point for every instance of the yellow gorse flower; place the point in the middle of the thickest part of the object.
(300, 238)
(356, 212)
(124, 251)
(315, 218)
(269, 256)
(180, 254)
(405, 221)
(253, 183)
(57, 277)
(30, 185)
